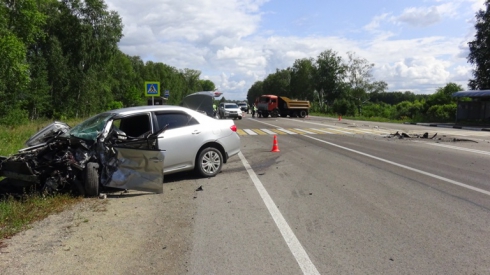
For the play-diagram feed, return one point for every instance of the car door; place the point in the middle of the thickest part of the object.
(181, 139)
(135, 163)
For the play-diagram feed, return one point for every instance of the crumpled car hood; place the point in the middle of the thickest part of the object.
(57, 155)
(54, 129)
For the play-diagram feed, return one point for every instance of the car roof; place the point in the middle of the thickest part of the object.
(149, 108)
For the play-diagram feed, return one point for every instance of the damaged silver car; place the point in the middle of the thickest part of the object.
(130, 148)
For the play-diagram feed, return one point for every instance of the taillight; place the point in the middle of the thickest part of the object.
(233, 127)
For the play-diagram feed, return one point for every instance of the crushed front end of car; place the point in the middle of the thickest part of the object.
(86, 159)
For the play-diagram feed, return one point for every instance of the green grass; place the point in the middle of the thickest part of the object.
(17, 214)
(362, 118)
(13, 139)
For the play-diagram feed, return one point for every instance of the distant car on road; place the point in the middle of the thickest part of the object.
(243, 106)
(130, 148)
(229, 110)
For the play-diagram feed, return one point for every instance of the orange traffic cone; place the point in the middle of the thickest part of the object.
(275, 146)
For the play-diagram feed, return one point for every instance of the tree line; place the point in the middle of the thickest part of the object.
(60, 59)
(346, 87)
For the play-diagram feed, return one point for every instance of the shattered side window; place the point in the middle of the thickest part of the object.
(134, 126)
(90, 128)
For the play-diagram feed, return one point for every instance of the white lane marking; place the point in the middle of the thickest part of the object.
(323, 131)
(286, 131)
(362, 131)
(337, 130)
(266, 123)
(407, 167)
(287, 233)
(301, 130)
(278, 128)
(250, 132)
(268, 131)
(458, 148)
(332, 126)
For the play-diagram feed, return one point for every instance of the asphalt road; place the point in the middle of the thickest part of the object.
(353, 201)
(341, 197)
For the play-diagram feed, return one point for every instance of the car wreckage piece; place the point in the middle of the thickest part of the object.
(92, 155)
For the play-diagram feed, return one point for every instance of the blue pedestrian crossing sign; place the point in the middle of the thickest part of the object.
(152, 88)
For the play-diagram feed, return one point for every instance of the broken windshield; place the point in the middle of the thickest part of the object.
(90, 128)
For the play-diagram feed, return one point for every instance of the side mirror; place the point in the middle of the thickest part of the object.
(121, 135)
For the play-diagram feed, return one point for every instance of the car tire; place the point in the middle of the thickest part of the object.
(302, 114)
(209, 162)
(240, 118)
(91, 179)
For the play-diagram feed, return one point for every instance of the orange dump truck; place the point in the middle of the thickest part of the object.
(273, 105)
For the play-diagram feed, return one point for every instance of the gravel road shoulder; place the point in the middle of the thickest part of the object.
(131, 233)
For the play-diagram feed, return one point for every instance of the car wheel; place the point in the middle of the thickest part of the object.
(209, 162)
(240, 118)
(91, 179)
(302, 114)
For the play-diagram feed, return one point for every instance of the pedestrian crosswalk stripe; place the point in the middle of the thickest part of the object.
(337, 130)
(296, 131)
(241, 132)
(361, 131)
(287, 131)
(384, 132)
(321, 131)
(277, 131)
(250, 132)
(267, 131)
(260, 132)
(302, 130)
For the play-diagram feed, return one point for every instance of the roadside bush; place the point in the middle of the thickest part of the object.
(376, 110)
(344, 107)
(15, 117)
(114, 105)
(446, 112)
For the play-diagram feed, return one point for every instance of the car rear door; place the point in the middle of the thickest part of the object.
(182, 138)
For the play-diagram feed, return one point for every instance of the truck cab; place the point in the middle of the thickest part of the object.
(281, 106)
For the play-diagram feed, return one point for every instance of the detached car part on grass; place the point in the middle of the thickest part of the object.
(123, 149)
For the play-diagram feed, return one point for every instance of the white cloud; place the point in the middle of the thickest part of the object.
(476, 5)
(376, 22)
(224, 40)
(420, 17)
(462, 74)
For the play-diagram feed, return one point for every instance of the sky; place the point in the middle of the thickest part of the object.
(415, 45)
